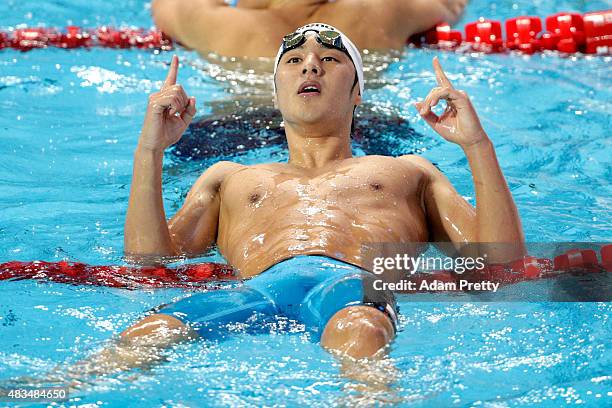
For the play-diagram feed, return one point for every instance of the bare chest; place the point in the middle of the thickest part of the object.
(361, 187)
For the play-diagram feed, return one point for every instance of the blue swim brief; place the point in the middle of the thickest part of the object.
(309, 289)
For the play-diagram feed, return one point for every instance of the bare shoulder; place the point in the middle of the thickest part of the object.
(421, 163)
(433, 177)
(211, 180)
(235, 178)
(222, 169)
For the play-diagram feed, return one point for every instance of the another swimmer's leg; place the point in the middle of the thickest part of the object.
(358, 331)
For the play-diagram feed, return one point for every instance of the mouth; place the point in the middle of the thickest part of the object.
(310, 88)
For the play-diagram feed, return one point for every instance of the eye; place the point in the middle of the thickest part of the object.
(329, 59)
(293, 60)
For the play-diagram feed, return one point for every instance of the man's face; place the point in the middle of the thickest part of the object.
(314, 84)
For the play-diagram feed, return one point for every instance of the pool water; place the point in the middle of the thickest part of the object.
(69, 124)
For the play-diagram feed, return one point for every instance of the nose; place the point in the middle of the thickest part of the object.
(311, 64)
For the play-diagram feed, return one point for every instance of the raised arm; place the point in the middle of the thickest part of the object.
(211, 25)
(495, 219)
(194, 226)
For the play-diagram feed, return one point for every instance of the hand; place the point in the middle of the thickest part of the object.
(168, 114)
(459, 123)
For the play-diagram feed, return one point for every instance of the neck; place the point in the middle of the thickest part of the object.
(313, 148)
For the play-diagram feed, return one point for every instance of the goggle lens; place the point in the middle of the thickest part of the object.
(328, 38)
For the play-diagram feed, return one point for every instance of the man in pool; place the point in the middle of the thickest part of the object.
(295, 229)
(253, 28)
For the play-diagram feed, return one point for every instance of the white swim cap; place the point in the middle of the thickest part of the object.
(352, 50)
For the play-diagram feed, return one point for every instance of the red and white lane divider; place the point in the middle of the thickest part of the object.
(25, 39)
(202, 275)
(76, 273)
(590, 33)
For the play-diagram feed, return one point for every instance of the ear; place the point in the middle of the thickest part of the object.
(357, 97)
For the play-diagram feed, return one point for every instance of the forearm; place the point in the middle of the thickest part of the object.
(146, 229)
(497, 218)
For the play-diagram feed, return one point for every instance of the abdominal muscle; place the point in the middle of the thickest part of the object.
(253, 253)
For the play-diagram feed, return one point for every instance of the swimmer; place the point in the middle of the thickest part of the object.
(253, 28)
(294, 230)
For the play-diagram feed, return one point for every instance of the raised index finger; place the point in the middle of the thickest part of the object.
(440, 75)
(172, 73)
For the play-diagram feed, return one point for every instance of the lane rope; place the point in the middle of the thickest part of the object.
(26, 39)
(565, 32)
(577, 261)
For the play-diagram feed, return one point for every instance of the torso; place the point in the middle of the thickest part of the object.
(271, 212)
(385, 29)
(369, 24)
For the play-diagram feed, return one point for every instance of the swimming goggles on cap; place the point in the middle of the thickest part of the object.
(327, 38)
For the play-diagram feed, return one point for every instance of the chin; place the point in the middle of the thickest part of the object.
(310, 114)
(316, 118)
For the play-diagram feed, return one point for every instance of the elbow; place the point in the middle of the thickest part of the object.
(160, 7)
(146, 258)
(147, 253)
(454, 10)
(158, 15)
(161, 11)
(156, 6)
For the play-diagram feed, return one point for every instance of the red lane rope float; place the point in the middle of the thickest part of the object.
(202, 275)
(184, 276)
(577, 261)
(25, 39)
(590, 33)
